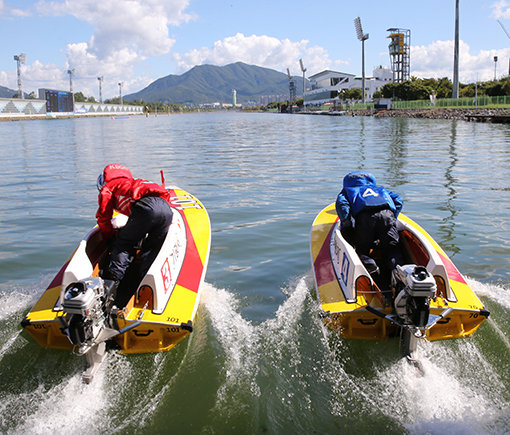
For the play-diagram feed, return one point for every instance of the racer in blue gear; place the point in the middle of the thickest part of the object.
(368, 216)
(360, 192)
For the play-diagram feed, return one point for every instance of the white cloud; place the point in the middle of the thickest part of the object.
(436, 60)
(140, 25)
(12, 12)
(116, 67)
(36, 75)
(125, 33)
(501, 9)
(265, 51)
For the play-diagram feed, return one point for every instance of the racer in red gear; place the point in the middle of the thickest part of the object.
(149, 216)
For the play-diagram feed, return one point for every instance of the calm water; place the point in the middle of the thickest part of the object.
(260, 360)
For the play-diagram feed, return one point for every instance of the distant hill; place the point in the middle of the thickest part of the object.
(210, 84)
(6, 92)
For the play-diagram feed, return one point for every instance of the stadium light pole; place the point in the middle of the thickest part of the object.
(100, 79)
(455, 90)
(303, 70)
(120, 93)
(20, 61)
(71, 72)
(495, 66)
(362, 37)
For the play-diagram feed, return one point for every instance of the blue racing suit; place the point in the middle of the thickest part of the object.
(368, 213)
(361, 192)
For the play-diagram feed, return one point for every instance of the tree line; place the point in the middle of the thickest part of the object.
(421, 89)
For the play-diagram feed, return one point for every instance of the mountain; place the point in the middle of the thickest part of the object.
(209, 84)
(6, 92)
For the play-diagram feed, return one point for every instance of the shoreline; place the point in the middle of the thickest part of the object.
(499, 115)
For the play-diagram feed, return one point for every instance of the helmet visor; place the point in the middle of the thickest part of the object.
(100, 182)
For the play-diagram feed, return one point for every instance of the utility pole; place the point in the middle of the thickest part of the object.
(455, 90)
(20, 61)
(504, 30)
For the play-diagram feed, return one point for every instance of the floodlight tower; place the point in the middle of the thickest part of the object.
(495, 66)
(71, 73)
(292, 90)
(303, 69)
(120, 93)
(399, 49)
(20, 61)
(362, 37)
(455, 90)
(100, 80)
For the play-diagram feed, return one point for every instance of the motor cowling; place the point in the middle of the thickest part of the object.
(413, 287)
(83, 306)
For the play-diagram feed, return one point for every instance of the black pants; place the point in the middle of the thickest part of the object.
(150, 216)
(371, 226)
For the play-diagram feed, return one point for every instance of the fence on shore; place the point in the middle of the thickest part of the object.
(481, 101)
(468, 102)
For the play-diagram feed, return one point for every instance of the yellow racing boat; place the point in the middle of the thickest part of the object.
(428, 297)
(71, 315)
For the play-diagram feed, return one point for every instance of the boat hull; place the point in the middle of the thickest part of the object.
(166, 301)
(345, 289)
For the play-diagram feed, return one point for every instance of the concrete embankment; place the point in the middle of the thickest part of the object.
(482, 115)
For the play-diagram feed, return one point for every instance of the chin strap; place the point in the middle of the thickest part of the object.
(162, 178)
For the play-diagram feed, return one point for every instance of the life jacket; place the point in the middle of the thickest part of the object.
(119, 192)
(362, 192)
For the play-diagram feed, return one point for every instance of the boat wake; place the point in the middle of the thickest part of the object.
(42, 391)
(291, 365)
(286, 372)
(497, 293)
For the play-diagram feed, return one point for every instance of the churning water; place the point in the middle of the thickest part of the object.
(259, 359)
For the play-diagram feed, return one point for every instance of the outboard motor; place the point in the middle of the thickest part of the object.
(413, 287)
(84, 309)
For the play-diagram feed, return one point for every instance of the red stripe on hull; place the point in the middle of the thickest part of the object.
(190, 274)
(58, 277)
(324, 271)
(451, 270)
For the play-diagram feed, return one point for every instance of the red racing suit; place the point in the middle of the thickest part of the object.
(119, 192)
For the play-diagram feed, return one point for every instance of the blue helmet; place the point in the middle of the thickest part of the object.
(100, 181)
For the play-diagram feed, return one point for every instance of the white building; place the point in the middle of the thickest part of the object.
(326, 85)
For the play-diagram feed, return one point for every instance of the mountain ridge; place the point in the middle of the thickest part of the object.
(204, 84)
(6, 92)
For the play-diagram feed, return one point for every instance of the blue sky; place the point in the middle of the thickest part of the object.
(139, 41)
